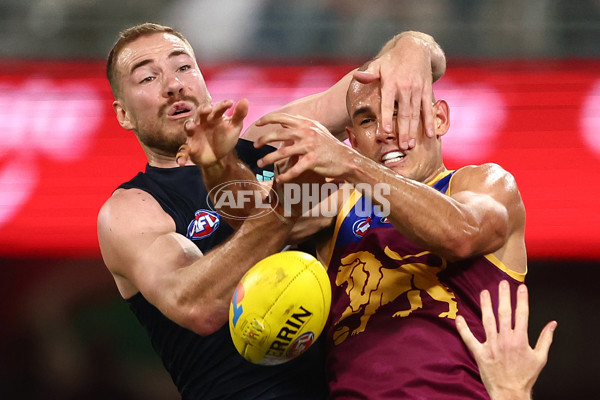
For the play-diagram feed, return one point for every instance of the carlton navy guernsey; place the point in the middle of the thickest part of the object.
(209, 367)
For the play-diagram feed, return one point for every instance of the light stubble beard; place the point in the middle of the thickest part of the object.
(163, 142)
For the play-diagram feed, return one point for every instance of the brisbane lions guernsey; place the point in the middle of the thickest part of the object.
(209, 367)
(391, 332)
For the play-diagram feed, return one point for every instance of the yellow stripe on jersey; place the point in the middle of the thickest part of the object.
(439, 177)
(518, 276)
(346, 208)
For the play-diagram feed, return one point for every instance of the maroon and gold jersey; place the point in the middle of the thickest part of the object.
(391, 332)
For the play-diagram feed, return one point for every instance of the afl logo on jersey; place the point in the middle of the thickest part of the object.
(360, 227)
(204, 224)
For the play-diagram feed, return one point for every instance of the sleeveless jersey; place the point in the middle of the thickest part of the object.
(391, 332)
(209, 367)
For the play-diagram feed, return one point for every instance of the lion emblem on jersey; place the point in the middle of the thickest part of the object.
(370, 286)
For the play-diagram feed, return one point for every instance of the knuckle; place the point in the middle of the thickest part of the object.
(417, 83)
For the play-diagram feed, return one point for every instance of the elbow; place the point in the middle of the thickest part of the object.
(457, 246)
(472, 241)
(205, 319)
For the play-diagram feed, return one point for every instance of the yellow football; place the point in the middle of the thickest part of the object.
(279, 308)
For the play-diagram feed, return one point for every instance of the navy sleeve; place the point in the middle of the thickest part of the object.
(248, 154)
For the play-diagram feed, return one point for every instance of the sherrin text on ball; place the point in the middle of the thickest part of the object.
(279, 307)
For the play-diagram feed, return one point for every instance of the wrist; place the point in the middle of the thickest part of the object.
(219, 167)
(510, 394)
(410, 38)
(360, 169)
(424, 41)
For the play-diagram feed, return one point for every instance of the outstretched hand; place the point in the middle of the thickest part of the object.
(508, 365)
(308, 143)
(211, 135)
(406, 79)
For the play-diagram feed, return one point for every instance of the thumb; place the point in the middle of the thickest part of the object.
(545, 340)
(182, 155)
(369, 75)
(240, 112)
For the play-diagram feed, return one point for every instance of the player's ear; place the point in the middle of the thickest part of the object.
(122, 115)
(441, 122)
(351, 137)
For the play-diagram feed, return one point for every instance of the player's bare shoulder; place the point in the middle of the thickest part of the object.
(488, 177)
(130, 209)
(127, 221)
(494, 181)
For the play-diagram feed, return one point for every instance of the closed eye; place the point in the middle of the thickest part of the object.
(366, 121)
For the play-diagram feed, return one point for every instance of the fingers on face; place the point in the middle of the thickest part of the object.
(407, 115)
(371, 74)
(388, 100)
(415, 115)
(428, 120)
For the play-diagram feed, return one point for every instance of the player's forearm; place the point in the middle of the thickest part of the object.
(327, 107)
(425, 216)
(232, 176)
(205, 288)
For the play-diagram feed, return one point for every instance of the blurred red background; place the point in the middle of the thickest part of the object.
(62, 151)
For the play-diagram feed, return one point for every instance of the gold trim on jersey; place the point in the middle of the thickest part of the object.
(339, 219)
(518, 276)
(439, 177)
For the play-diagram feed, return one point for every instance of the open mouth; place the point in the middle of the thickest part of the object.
(179, 109)
(392, 157)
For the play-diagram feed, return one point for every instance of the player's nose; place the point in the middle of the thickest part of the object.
(381, 136)
(172, 85)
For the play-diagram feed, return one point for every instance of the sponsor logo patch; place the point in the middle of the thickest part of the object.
(301, 344)
(204, 224)
(361, 226)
